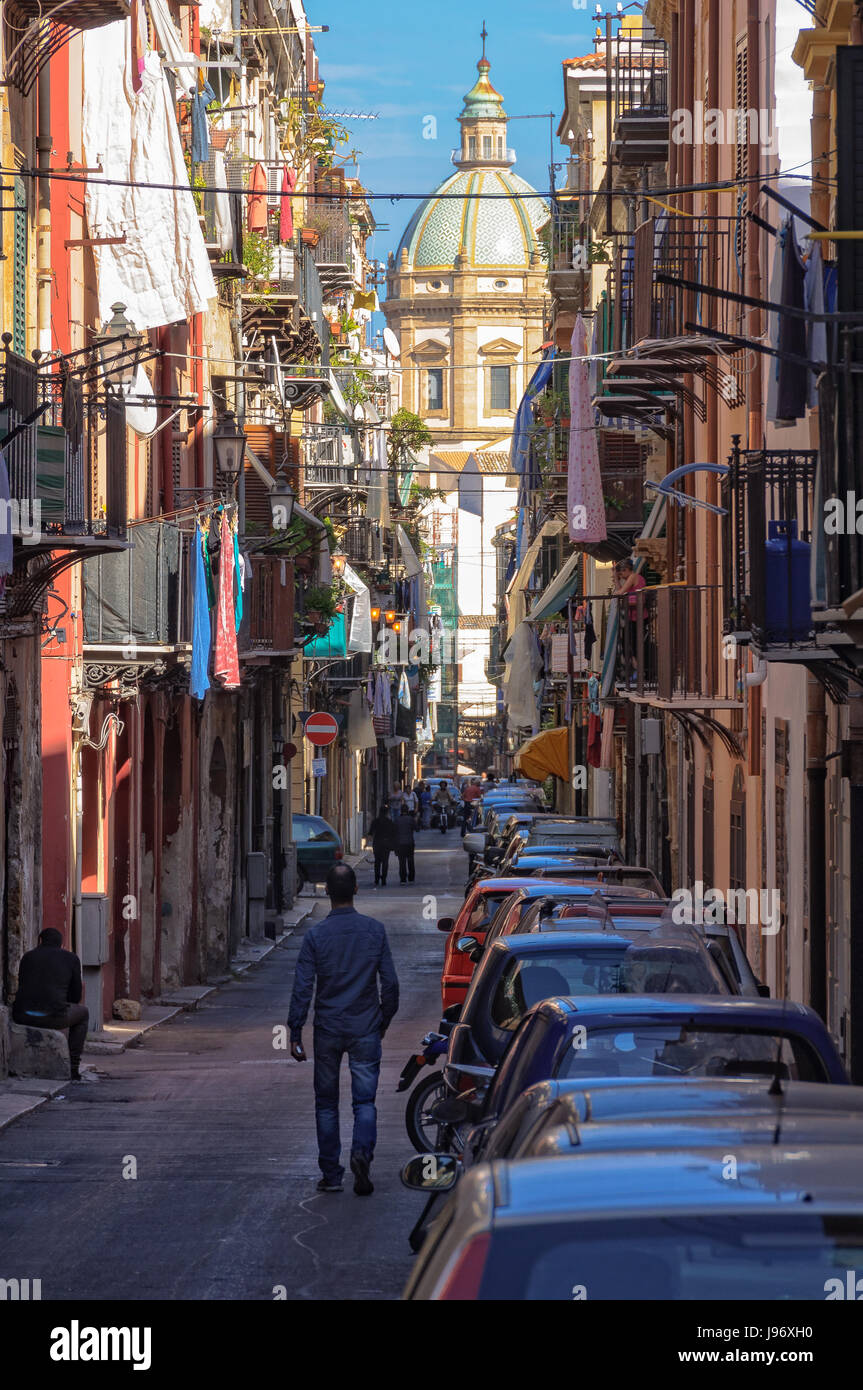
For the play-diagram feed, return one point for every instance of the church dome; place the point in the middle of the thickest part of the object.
(484, 212)
(490, 230)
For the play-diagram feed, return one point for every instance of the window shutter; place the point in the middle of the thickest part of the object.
(19, 271)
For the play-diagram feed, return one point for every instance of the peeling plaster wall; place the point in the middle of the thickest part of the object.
(217, 793)
(21, 864)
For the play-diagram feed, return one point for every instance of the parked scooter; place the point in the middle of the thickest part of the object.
(424, 1131)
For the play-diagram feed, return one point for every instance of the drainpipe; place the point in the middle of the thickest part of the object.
(756, 677)
(43, 216)
(816, 778)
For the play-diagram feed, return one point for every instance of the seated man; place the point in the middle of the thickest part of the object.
(49, 993)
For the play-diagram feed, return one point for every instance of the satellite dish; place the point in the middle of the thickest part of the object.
(338, 399)
(392, 343)
(141, 411)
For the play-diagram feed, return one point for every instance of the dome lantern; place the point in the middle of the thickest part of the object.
(483, 124)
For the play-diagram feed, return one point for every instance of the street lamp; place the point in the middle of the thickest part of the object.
(282, 500)
(229, 445)
(375, 615)
(390, 615)
(338, 560)
(117, 346)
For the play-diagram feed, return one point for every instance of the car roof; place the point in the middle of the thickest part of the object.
(547, 888)
(542, 943)
(613, 1098)
(771, 1178)
(722, 1010)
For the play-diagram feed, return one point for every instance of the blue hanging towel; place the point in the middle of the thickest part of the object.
(199, 681)
(238, 597)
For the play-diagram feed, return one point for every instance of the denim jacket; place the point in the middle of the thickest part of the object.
(341, 960)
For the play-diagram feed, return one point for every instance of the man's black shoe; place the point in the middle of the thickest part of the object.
(75, 1074)
(331, 1185)
(363, 1185)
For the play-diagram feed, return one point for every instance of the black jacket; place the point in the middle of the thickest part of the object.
(404, 828)
(382, 833)
(49, 978)
(345, 960)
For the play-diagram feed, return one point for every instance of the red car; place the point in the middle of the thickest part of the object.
(473, 919)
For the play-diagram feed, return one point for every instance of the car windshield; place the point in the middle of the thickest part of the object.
(669, 1049)
(675, 1257)
(591, 970)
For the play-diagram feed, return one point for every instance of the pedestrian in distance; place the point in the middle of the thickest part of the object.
(411, 801)
(397, 799)
(444, 805)
(49, 993)
(425, 805)
(382, 834)
(404, 828)
(470, 793)
(345, 961)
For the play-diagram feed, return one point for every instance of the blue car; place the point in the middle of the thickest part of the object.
(518, 972)
(666, 1226)
(633, 1039)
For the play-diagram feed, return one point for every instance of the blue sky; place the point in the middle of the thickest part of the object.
(408, 61)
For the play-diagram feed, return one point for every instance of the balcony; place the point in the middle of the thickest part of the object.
(326, 464)
(568, 282)
(461, 158)
(285, 300)
(57, 441)
(28, 49)
(767, 541)
(641, 117)
(267, 629)
(667, 640)
(137, 609)
(667, 250)
(334, 253)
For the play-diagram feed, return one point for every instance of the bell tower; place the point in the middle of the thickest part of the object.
(483, 124)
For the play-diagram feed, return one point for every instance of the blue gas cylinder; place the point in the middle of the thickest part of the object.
(787, 599)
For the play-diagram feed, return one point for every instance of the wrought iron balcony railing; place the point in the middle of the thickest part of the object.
(650, 302)
(640, 76)
(142, 597)
(268, 612)
(767, 541)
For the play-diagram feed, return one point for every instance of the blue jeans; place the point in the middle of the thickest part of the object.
(364, 1060)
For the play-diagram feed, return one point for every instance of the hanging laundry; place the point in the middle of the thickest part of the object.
(816, 333)
(200, 125)
(286, 211)
(585, 502)
(199, 681)
(404, 692)
(239, 564)
(257, 202)
(589, 633)
(139, 43)
(220, 201)
(227, 668)
(792, 385)
(593, 695)
(607, 756)
(594, 741)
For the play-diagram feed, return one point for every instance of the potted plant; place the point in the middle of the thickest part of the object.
(320, 605)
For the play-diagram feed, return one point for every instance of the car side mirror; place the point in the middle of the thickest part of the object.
(493, 856)
(430, 1172)
(763, 990)
(470, 947)
(445, 923)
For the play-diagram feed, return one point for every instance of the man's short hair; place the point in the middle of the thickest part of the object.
(341, 884)
(50, 936)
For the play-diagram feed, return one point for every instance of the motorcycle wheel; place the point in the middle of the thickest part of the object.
(425, 1133)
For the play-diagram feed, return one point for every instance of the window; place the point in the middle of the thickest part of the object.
(500, 388)
(471, 147)
(434, 377)
(487, 147)
(500, 149)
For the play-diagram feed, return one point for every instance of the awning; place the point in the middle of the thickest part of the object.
(558, 592)
(517, 605)
(334, 643)
(545, 755)
(409, 555)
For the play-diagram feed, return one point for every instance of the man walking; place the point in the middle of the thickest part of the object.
(49, 993)
(382, 834)
(405, 845)
(342, 958)
(470, 793)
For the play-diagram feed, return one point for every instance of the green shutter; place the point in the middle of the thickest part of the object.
(51, 471)
(19, 271)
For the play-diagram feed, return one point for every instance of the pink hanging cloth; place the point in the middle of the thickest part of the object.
(585, 501)
(257, 209)
(286, 213)
(227, 667)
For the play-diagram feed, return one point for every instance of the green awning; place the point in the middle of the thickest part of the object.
(334, 642)
(558, 593)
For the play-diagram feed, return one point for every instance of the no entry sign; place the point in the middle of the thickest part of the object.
(321, 729)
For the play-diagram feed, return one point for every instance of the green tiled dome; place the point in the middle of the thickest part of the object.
(492, 231)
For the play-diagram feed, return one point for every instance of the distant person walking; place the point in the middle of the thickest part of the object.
(425, 805)
(445, 806)
(470, 794)
(404, 828)
(345, 961)
(49, 993)
(397, 800)
(382, 834)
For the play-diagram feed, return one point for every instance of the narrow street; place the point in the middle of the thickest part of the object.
(222, 1129)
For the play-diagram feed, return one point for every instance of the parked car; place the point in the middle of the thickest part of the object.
(319, 846)
(558, 837)
(576, 867)
(561, 892)
(547, 914)
(634, 1037)
(518, 972)
(643, 1226)
(472, 920)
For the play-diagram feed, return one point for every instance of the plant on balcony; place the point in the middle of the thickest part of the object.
(321, 603)
(408, 433)
(599, 253)
(258, 257)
